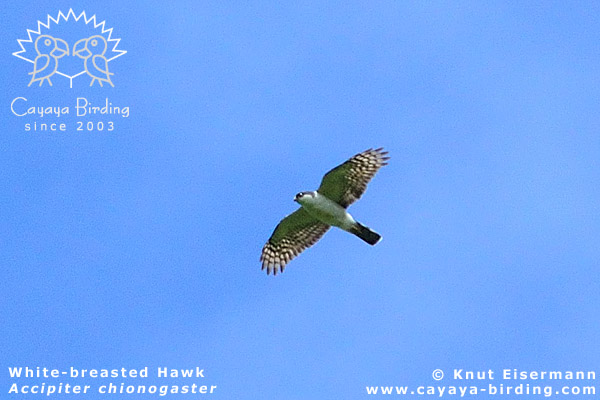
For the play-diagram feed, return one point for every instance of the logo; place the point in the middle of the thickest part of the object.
(63, 51)
(70, 46)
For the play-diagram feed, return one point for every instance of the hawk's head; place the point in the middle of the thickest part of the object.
(300, 197)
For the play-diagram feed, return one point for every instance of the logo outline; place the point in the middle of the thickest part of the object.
(100, 72)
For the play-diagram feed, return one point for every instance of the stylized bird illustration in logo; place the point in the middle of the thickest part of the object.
(49, 50)
(92, 50)
(324, 208)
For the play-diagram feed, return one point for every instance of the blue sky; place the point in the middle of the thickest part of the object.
(139, 247)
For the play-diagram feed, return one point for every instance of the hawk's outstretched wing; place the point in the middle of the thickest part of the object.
(294, 233)
(347, 182)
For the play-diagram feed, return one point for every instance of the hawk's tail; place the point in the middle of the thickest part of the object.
(366, 234)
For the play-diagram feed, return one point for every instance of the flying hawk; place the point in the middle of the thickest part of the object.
(324, 208)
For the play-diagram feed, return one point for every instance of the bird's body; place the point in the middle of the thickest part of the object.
(92, 51)
(49, 50)
(97, 68)
(44, 67)
(324, 208)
